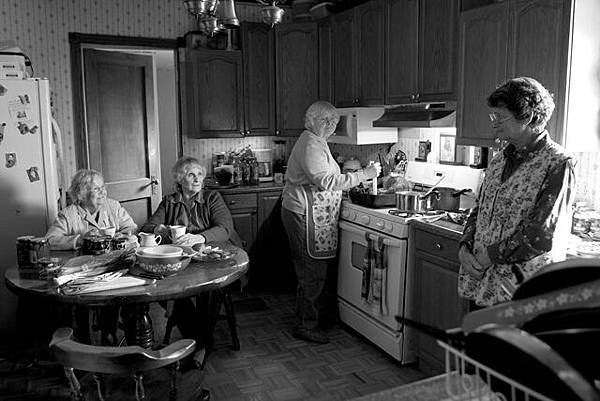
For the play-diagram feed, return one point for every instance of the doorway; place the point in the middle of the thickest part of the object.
(126, 108)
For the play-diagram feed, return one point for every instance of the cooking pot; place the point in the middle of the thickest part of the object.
(447, 199)
(413, 202)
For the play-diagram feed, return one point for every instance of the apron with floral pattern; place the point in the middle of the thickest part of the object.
(322, 213)
(503, 208)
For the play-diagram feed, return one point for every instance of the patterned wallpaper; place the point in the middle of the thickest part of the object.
(41, 27)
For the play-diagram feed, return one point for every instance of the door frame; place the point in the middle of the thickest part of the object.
(77, 42)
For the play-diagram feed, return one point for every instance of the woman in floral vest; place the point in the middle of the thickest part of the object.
(522, 216)
(310, 210)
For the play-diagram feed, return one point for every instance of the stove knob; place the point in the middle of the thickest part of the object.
(379, 224)
(345, 214)
(364, 219)
(389, 227)
(352, 216)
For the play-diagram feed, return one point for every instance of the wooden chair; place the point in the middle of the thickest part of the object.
(132, 360)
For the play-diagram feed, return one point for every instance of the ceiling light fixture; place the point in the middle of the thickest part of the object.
(212, 16)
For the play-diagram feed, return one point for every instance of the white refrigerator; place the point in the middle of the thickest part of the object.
(29, 192)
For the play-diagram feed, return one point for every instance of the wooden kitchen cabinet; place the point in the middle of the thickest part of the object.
(211, 91)
(358, 55)
(482, 59)
(325, 60)
(435, 300)
(421, 45)
(249, 211)
(297, 76)
(552, 41)
(258, 51)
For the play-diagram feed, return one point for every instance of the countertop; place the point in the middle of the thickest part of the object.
(447, 229)
(242, 189)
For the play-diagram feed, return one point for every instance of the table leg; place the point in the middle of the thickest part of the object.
(138, 325)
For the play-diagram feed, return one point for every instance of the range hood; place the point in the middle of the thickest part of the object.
(415, 115)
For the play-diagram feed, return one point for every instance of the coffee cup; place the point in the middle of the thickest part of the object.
(176, 232)
(149, 239)
(110, 231)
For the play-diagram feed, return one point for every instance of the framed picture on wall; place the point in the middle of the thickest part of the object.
(447, 149)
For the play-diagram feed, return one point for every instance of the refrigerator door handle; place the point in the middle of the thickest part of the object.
(154, 182)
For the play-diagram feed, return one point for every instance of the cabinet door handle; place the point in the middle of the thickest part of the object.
(232, 202)
(438, 246)
(417, 96)
(248, 132)
(242, 133)
(413, 97)
(277, 132)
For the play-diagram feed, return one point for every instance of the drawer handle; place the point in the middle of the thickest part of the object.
(438, 246)
(232, 202)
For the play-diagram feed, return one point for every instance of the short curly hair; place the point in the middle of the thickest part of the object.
(319, 109)
(81, 184)
(524, 97)
(182, 166)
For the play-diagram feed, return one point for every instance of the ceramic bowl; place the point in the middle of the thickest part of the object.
(163, 250)
(165, 265)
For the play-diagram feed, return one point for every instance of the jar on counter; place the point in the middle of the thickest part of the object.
(23, 245)
(594, 225)
(581, 220)
(38, 249)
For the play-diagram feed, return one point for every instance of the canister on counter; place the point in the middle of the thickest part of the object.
(38, 248)
(119, 243)
(96, 244)
(49, 267)
(23, 251)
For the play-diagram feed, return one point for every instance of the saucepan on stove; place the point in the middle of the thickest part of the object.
(413, 201)
(447, 199)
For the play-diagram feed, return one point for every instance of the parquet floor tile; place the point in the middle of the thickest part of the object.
(271, 365)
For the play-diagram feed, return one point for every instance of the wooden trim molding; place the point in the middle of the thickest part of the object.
(76, 42)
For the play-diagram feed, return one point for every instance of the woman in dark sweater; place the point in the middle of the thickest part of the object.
(206, 218)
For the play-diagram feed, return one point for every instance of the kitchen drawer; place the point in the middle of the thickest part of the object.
(437, 245)
(240, 201)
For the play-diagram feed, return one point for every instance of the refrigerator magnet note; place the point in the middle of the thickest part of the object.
(3, 90)
(33, 175)
(20, 111)
(11, 159)
(2, 126)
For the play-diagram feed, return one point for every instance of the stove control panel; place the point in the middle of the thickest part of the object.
(375, 219)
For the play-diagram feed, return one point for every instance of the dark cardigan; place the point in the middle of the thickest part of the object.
(207, 214)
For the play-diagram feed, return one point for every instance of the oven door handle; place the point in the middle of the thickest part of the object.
(396, 243)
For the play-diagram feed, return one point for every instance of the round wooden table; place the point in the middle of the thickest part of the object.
(197, 278)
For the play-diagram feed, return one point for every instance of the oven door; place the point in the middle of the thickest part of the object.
(352, 248)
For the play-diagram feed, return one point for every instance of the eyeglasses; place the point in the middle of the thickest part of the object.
(98, 190)
(497, 118)
(330, 121)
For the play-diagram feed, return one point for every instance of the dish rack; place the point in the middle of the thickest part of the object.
(469, 380)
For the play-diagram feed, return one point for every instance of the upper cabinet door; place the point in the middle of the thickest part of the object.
(259, 78)
(344, 59)
(212, 93)
(297, 76)
(370, 37)
(482, 66)
(401, 50)
(325, 61)
(438, 45)
(539, 35)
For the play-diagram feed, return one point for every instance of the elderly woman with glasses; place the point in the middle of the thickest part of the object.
(206, 218)
(310, 208)
(522, 216)
(91, 212)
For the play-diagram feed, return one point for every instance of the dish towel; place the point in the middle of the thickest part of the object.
(378, 293)
(368, 261)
